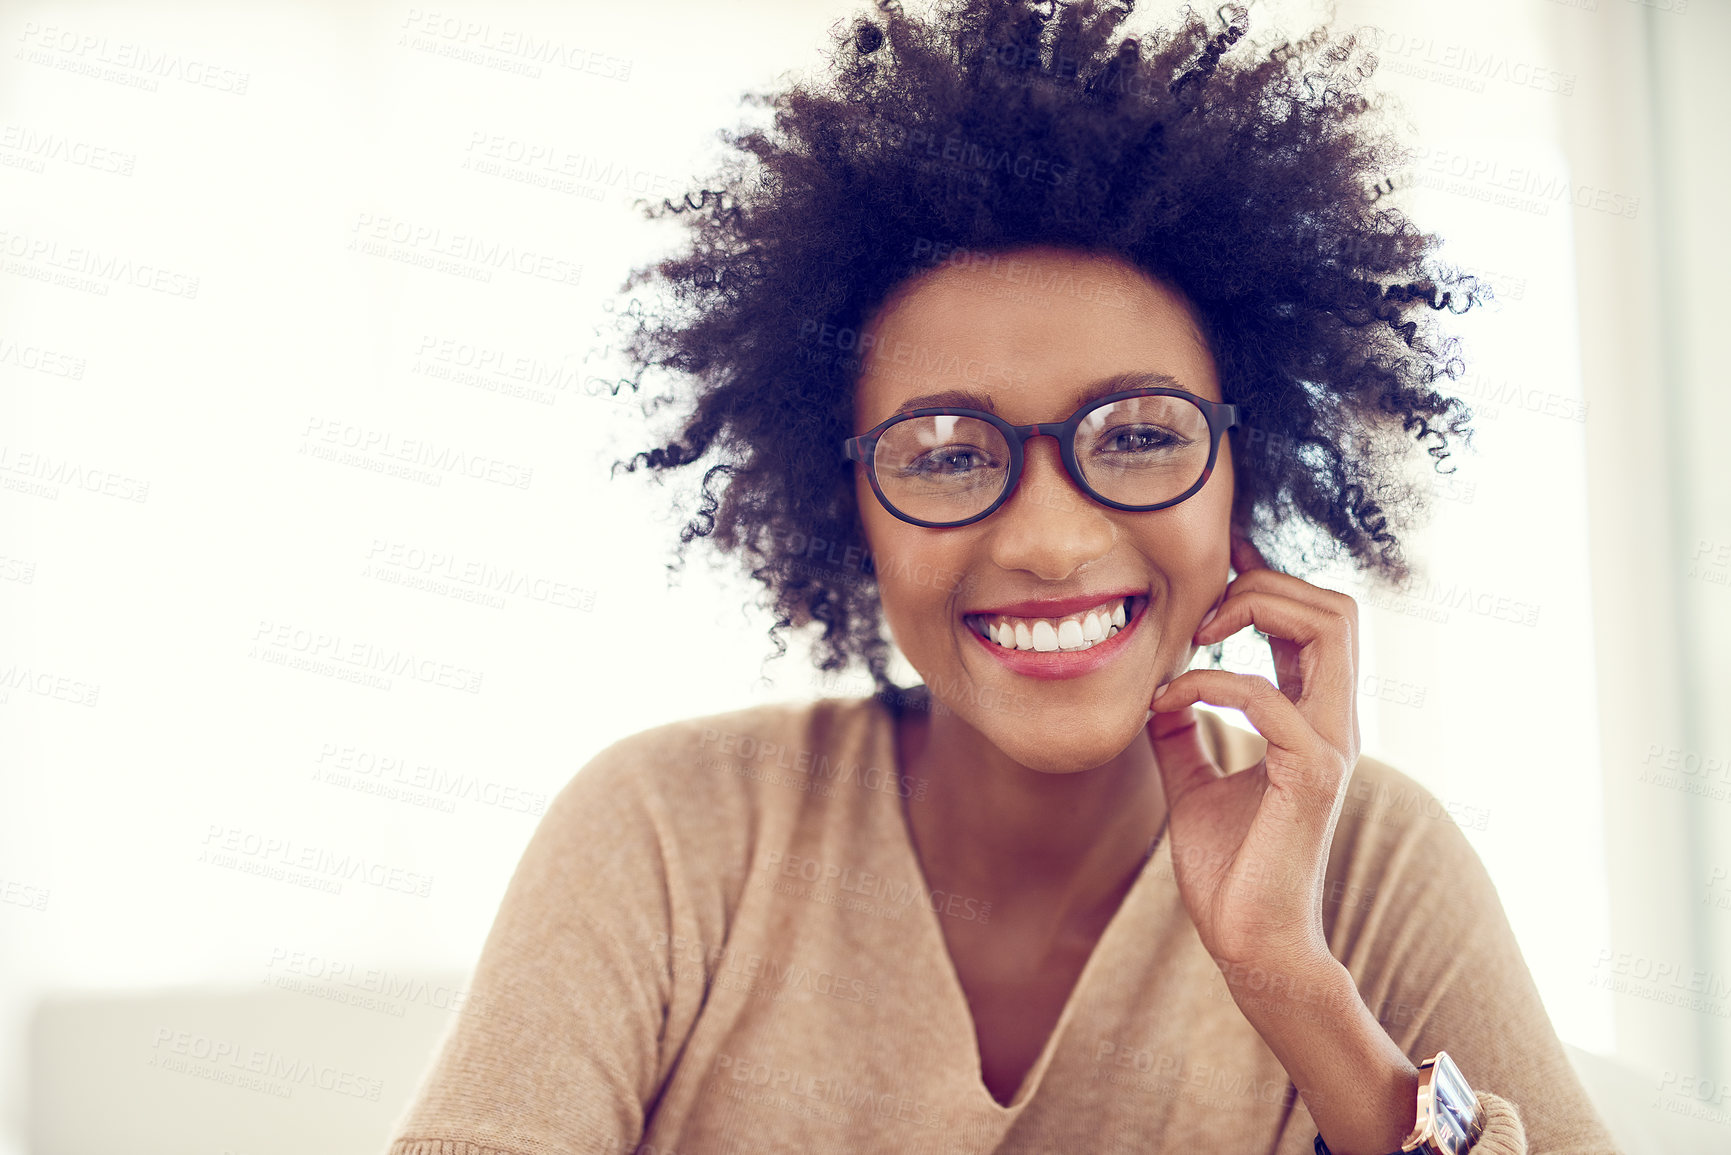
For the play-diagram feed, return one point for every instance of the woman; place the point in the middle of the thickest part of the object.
(973, 337)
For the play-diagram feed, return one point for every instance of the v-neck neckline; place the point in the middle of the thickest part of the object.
(934, 946)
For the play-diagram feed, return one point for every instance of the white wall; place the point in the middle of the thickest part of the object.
(148, 715)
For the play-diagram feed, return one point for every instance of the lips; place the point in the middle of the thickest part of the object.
(1064, 663)
(1057, 607)
(1132, 606)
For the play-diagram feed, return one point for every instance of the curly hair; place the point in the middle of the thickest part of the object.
(1251, 186)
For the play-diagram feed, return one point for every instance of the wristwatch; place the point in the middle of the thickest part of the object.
(1449, 1120)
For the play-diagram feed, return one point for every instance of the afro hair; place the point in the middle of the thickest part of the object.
(1249, 182)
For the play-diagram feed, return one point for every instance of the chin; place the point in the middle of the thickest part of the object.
(1049, 751)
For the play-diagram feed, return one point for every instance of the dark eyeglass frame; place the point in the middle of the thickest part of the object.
(1220, 416)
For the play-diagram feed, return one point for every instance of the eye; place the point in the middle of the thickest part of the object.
(1139, 439)
(962, 461)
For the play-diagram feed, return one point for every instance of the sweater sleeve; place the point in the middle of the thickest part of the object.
(1419, 925)
(561, 1045)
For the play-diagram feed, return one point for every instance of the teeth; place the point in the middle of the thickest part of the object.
(1045, 635)
(1092, 630)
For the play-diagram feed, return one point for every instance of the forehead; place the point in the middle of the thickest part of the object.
(1032, 329)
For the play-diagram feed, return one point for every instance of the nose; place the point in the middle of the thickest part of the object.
(1049, 527)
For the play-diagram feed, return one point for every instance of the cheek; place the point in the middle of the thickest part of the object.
(917, 574)
(1195, 534)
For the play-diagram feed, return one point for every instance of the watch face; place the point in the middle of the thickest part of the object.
(1456, 1107)
(1448, 1133)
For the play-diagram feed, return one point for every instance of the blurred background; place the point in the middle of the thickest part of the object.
(314, 588)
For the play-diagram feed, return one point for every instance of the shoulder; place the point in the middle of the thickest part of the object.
(1394, 835)
(670, 756)
(1383, 807)
(724, 767)
(1399, 860)
(1391, 819)
(679, 808)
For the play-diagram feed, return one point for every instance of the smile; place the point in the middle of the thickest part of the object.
(1059, 647)
(1079, 631)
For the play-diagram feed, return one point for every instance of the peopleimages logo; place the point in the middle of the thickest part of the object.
(315, 651)
(386, 446)
(832, 1092)
(749, 748)
(44, 254)
(228, 1060)
(226, 845)
(40, 360)
(764, 975)
(137, 65)
(895, 892)
(41, 475)
(467, 254)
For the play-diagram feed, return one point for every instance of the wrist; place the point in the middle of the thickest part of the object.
(1301, 984)
(1449, 1117)
(1357, 1084)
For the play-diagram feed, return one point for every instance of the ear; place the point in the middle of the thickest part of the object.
(1234, 534)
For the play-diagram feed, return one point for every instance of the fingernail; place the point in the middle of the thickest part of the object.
(1161, 689)
(1206, 618)
(1149, 718)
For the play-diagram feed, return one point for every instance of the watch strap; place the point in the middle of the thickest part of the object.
(1322, 1148)
(1449, 1117)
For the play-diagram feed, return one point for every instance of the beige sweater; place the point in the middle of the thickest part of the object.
(719, 940)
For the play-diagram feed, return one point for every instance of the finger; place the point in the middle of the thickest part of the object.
(1252, 568)
(1274, 581)
(1278, 615)
(1245, 556)
(1183, 763)
(1299, 760)
(1316, 671)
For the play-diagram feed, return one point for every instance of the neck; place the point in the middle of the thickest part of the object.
(1061, 849)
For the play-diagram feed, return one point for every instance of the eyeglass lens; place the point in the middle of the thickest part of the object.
(1137, 451)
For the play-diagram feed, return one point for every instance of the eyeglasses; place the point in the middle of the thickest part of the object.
(1140, 450)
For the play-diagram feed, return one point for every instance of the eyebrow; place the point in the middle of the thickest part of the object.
(1116, 383)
